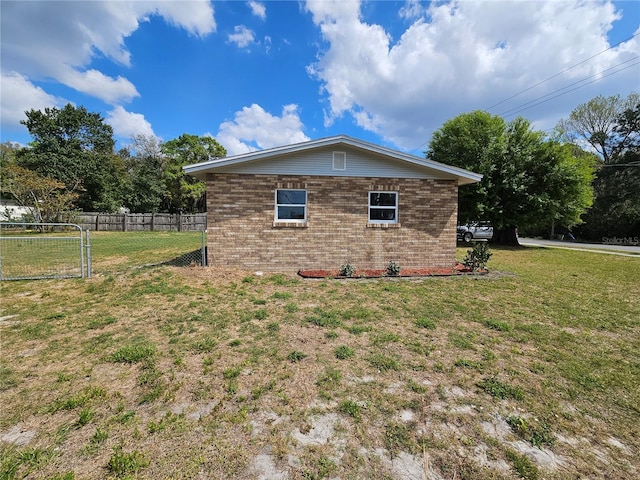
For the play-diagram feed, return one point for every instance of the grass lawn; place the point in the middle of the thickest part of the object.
(532, 371)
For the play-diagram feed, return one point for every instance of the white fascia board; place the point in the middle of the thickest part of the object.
(464, 177)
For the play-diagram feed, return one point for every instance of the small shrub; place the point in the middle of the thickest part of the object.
(343, 352)
(393, 269)
(347, 270)
(477, 257)
(296, 356)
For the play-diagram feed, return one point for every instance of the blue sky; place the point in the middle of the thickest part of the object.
(263, 74)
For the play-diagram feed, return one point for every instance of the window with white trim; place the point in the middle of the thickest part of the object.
(383, 207)
(291, 205)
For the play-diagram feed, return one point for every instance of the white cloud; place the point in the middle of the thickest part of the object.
(20, 95)
(242, 36)
(456, 55)
(58, 40)
(253, 128)
(412, 9)
(128, 124)
(95, 83)
(258, 9)
(196, 17)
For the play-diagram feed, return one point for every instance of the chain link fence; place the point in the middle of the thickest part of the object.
(117, 251)
(41, 250)
(32, 251)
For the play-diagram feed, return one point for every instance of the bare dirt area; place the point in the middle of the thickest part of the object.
(169, 372)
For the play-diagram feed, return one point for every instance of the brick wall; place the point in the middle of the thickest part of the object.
(242, 233)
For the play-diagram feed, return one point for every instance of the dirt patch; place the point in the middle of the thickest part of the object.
(17, 435)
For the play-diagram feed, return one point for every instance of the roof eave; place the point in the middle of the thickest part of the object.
(199, 170)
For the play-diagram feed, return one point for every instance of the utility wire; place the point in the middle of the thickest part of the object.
(535, 101)
(563, 71)
(518, 109)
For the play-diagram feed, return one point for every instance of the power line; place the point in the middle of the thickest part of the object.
(535, 101)
(520, 108)
(563, 71)
(515, 110)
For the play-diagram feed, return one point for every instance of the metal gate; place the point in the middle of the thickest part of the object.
(42, 250)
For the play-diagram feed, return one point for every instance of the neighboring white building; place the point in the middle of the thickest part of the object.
(10, 210)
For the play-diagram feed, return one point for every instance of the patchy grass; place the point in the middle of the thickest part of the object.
(164, 372)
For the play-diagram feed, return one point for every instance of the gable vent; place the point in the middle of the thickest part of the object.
(339, 161)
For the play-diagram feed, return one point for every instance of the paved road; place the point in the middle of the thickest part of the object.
(627, 250)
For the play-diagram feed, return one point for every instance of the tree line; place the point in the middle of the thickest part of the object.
(584, 175)
(71, 164)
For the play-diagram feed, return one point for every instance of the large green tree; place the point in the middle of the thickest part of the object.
(145, 163)
(594, 122)
(184, 193)
(75, 147)
(616, 209)
(528, 181)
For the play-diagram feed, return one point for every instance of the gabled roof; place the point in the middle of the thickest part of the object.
(199, 170)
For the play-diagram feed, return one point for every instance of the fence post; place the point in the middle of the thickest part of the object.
(180, 221)
(88, 247)
(124, 222)
(152, 218)
(203, 249)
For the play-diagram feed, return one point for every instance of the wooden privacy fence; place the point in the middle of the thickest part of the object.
(137, 222)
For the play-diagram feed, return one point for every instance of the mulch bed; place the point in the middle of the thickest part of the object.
(458, 269)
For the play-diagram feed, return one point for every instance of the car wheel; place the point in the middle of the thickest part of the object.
(467, 237)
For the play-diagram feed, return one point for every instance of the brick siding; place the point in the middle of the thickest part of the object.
(242, 233)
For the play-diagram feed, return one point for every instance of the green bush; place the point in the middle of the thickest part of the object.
(347, 270)
(393, 269)
(477, 257)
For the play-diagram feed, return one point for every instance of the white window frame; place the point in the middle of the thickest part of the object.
(379, 207)
(336, 157)
(304, 205)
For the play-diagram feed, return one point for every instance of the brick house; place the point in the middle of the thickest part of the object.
(326, 202)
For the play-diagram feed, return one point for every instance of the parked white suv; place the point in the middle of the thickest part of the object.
(475, 230)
